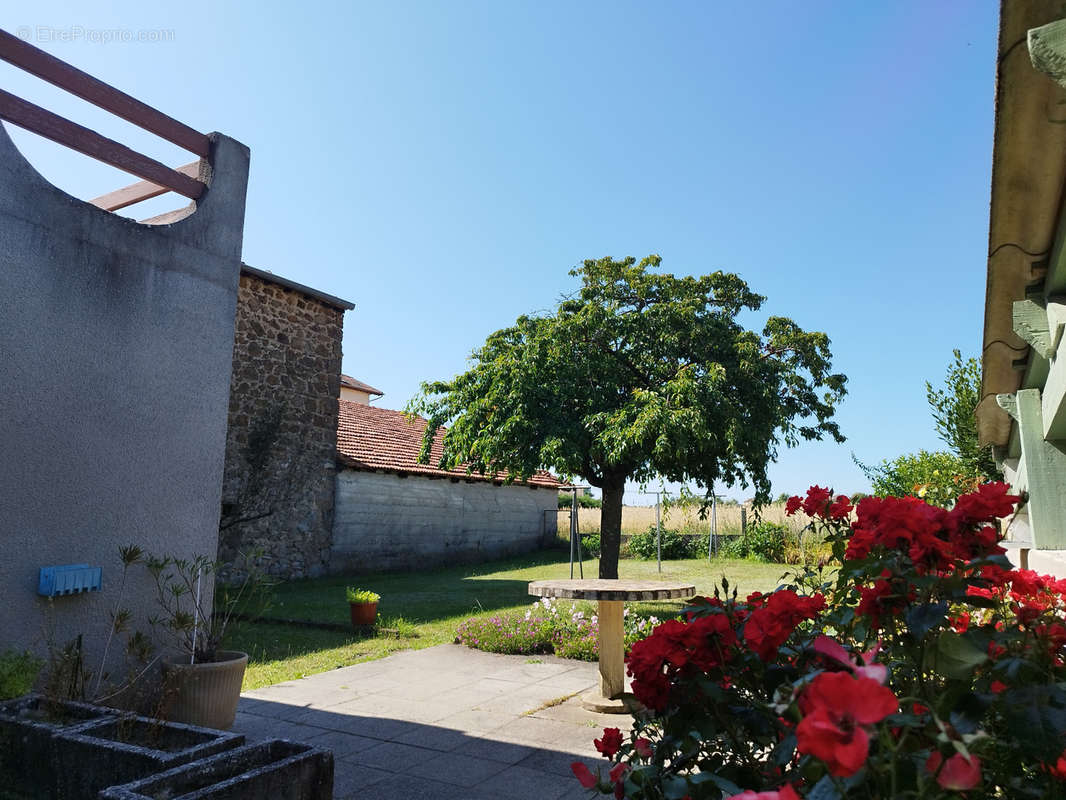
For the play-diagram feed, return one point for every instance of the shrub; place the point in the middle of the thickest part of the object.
(765, 541)
(590, 545)
(925, 667)
(675, 545)
(939, 478)
(732, 547)
(18, 673)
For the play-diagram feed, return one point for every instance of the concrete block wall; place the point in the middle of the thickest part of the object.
(388, 522)
(117, 340)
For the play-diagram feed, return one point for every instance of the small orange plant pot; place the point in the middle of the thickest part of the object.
(363, 613)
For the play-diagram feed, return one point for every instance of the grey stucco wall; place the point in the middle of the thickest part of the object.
(385, 521)
(115, 360)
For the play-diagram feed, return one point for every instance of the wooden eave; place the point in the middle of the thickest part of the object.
(1028, 173)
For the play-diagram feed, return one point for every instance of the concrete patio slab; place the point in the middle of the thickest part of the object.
(442, 722)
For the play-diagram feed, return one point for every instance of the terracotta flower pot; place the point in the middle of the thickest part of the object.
(363, 613)
(204, 694)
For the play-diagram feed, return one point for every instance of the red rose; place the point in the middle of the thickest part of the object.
(584, 775)
(817, 499)
(768, 627)
(611, 741)
(792, 505)
(1058, 769)
(987, 504)
(786, 792)
(957, 773)
(841, 507)
(879, 600)
(836, 706)
(643, 747)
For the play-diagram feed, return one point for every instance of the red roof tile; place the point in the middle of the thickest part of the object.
(372, 438)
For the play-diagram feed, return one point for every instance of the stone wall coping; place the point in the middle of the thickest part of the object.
(270, 277)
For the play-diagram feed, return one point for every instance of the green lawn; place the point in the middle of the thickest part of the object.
(433, 603)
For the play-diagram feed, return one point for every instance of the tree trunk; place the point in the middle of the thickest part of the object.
(610, 529)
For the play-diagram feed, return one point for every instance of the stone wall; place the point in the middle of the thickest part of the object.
(280, 451)
(383, 521)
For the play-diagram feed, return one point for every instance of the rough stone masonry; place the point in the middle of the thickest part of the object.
(277, 494)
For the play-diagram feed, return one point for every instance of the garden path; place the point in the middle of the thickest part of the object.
(443, 722)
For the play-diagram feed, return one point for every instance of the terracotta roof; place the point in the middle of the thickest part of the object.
(351, 383)
(372, 438)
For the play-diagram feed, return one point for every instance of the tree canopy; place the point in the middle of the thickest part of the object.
(940, 477)
(638, 374)
(953, 407)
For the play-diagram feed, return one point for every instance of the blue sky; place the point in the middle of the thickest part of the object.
(443, 166)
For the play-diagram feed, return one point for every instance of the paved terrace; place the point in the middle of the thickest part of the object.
(443, 722)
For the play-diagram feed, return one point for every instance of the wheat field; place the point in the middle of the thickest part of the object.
(639, 518)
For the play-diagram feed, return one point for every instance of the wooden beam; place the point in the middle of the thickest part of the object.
(142, 190)
(47, 67)
(1044, 467)
(1047, 50)
(1053, 395)
(52, 126)
(1031, 324)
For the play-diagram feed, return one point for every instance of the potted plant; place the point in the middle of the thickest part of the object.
(202, 682)
(363, 605)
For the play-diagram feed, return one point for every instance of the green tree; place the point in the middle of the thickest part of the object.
(940, 477)
(953, 406)
(638, 374)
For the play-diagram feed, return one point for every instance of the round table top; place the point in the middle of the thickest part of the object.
(604, 589)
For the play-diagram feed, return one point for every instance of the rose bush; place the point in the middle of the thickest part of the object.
(925, 667)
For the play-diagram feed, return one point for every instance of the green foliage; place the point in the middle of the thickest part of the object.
(938, 478)
(765, 541)
(953, 406)
(638, 375)
(583, 501)
(566, 629)
(18, 673)
(361, 595)
(185, 615)
(405, 629)
(590, 545)
(675, 545)
(512, 632)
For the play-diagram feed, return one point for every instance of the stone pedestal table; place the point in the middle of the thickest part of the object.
(611, 595)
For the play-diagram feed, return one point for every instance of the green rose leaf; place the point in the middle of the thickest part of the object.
(922, 619)
(825, 789)
(957, 656)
